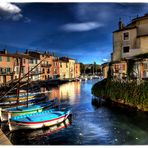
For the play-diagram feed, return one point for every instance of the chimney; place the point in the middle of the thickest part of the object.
(27, 51)
(120, 24)
(5, 51)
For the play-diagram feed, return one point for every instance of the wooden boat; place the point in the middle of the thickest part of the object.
(38, 120)
(23, 101)
(6, 113)
(49, 130)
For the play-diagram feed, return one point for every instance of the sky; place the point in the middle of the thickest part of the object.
(82, 31)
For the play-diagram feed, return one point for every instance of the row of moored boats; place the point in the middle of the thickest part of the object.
(36, 112)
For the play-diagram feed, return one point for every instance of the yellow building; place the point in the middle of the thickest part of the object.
(105, 68)
(71, 68)
(64, 68)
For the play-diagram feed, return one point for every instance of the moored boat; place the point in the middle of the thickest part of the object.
(22, 101)
(6, 113)
(38, 120)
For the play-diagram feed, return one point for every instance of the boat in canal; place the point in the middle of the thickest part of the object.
(6, 113)
(30, 100)
(39, 120)
(49, 130)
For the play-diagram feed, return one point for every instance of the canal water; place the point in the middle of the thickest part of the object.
(90, 125)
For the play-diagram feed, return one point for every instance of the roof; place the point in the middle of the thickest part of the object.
(143, 35)
(140, 18)
(131, 25)
(125, 28)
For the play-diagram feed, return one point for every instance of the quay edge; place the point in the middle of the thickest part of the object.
(3, 139)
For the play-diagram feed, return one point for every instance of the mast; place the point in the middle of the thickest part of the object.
(18, 87)
(27, 86)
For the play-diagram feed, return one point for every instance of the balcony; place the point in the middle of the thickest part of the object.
(36, 73)
(3, 73)
(45, 65)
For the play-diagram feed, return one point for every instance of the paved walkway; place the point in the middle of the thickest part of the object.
(3, 139)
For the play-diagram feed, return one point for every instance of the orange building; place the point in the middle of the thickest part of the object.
(46, 66)
(6, 66)
(77, 70)
(56, 67)
(18, 58)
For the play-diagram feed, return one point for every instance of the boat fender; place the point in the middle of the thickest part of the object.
(0, 111)
(9, 115)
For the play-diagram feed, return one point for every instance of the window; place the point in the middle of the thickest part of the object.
(24, 61)
(22, 70)
(126, 36)
(145, 65)
(8, 70)
(48, 71)
(61, 65)
(125, 49)
(8, 59)
(43, 70)
(0, 58)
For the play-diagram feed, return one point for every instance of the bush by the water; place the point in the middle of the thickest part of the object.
(128, 93)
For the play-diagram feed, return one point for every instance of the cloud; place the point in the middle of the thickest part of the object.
(105, 60)
(27, 20)
(78, 27)
(10, 11)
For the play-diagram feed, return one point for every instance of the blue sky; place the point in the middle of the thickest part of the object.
(82, 31)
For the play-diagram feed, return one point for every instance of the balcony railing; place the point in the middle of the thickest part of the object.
(45, 65)
(6, 73)
(36, 72)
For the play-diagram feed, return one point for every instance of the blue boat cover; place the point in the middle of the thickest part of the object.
(30, 107)
(40, 116)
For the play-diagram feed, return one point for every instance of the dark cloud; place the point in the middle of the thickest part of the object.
(79, 30)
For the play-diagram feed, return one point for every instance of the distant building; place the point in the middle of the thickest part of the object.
(105, 67)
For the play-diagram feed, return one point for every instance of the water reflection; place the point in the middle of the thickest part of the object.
(94, 126)
(67, 92)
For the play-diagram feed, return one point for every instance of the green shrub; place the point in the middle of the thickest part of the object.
(129, 92)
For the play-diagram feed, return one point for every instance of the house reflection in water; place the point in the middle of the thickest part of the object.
(67, 92)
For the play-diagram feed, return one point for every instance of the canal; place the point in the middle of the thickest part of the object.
(90, 125)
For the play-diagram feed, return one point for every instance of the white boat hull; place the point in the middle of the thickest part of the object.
(35, 125)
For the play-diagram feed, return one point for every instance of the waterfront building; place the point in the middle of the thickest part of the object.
(6, 66)
(71, 68)
(105, 68)
(56, 67)
(23, 59)
(46, 66)
(129, 42)
(77, 70)
(64, 68)
(34, 59)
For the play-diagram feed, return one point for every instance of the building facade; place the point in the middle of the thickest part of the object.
(64, 68)
(77, 70)
(128, 42)
(72, 68)
(6, 67)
